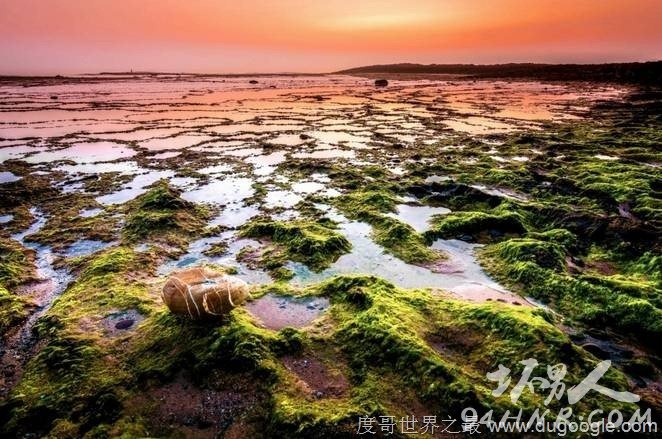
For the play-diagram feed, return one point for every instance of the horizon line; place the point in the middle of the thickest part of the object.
(288, 73)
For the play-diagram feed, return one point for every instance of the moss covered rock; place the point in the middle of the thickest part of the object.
(314, 244)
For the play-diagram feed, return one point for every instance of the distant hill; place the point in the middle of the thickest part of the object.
(640, 73)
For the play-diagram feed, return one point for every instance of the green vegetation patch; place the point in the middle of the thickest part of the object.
(630, 304)
(480, 226)
(13, 309)
(16, 263)
(16, 268)
(162, 214)
(315, 244)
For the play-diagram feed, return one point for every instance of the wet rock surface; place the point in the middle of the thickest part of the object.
(276, 312)
(317, 380)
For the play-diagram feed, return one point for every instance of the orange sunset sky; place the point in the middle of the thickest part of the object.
(76, 36)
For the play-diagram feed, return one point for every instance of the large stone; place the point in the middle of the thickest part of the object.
(202, 293)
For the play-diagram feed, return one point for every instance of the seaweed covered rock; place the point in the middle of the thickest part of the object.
(479, 226)
(549, 255)
(317, 245)
(13, 309)
(455, 195)
(162, 213)
(202, 293)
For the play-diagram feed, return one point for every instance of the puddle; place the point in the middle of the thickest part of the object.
(436, 179)
(88, 213)
(215, 169)
(84, 153)
(195, 255)
(503, 193)
(121, 322)
(326, 154)
(281, 198)
(134, 188)
(166, 155)
(460, 271)
(227, 191)
(327, 139)
(126, 168)
(8, 177)
(288, 140)
(4, 219)
(272, 159)
(278, 312)
(417, 216)
(476, 292)
(316, 378)
(85, 247)
(177, 142)
(235, 215)
(308, 187)
(19, 343)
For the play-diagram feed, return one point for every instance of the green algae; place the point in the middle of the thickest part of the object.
(16, 264)
(16, 268)
(162, 214)
(628, 306)
(549, 255)
(317, 245)
(378, 335)
(77, 364)
(13, 309)
(383, 336)
(480, 226)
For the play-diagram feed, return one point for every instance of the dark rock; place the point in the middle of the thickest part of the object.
(124, 324)
(495, 233)
(381, 82)
(596, 350)
(640, 367)
(252, 81)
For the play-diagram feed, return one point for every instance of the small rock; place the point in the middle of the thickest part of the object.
(252, 81)
(124, 324)
(188, 292)
(381, 82)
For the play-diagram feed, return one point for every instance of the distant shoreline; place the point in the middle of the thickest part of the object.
(648, 73)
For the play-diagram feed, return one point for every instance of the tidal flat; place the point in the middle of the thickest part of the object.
(400, 242)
